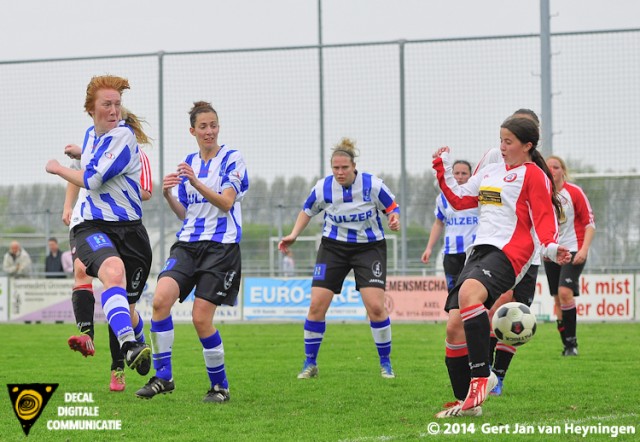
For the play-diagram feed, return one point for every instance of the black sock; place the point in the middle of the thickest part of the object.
(560, 324)
(503, 359)
(83, 303)
(492, 350)
(569, 318)
(477, 329)
(117, 358)
(459, 375)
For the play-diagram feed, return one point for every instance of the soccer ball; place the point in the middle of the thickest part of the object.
(514, 324)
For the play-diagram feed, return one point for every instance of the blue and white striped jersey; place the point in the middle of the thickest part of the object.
(459, 226)
(204, 221)
(351, 213)
(111, 166)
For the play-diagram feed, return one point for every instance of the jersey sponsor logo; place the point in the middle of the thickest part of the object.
(462, 221)
(490, 195)
(99, 241)
(196, 198)
(510, 178)
(169, 264)
(376, 269)
(351, 218)
(136, 278)
(319, 272)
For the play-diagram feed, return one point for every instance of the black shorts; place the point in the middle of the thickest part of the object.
(567, 275)
(491, 267)
(213, 268)
(72, 244)
(453, 264)
(95, 241)
(525, 290)
(336, 258)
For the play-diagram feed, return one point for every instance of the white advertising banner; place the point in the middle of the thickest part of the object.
(49, 300)
(603, 297)
(41, 300)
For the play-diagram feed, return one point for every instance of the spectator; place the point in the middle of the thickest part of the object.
(67, 262)
(17, 262)
(288, 264)
(53, 263)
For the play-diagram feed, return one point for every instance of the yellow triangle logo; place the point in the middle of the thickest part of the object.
(28, 402)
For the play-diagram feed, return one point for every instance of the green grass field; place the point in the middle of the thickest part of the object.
(348, 402)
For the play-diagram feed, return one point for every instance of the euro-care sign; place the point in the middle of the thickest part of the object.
(278, 299)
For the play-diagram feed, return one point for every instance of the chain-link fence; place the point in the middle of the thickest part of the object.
(398, 100)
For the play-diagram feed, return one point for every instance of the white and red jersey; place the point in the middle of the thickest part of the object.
(145, 173)
(512, 202)
(576, 216)
(494, 155)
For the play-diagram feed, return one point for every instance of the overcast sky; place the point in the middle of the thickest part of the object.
(37, 29)
(42, 29)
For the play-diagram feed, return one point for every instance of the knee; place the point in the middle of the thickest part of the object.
(316, 311)
(112, 272)
(80, 271)
(201, 322)
(565, 295)
(377, 313)
(455, 333)
(161, 308)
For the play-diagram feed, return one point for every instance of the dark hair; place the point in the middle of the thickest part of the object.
(53, 239)
(200, 107)
(466, 163)
(527, 131)
(528, 112)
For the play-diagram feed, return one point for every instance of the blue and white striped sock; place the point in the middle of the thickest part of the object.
(116, 308)
(161, 344)
(381, 332)
(139, 329)
(313, 334)
(213, 352)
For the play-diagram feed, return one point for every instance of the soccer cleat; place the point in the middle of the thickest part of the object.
(570, 351)
(454, 409)
(83, 344)
(144, 366)
(217, 394)
(386, 371)
(117, 380)
(156, 386)
(136, 354)
(479, 388)
(309, 371)
(497, 390)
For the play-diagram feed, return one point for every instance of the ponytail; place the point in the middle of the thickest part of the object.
(136, 124)
(536, 157)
